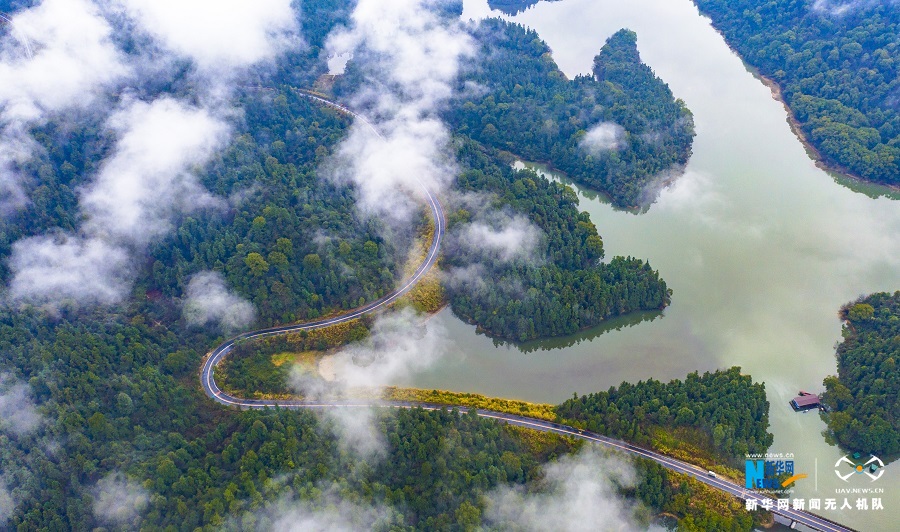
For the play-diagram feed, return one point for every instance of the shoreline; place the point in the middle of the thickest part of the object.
(796, 127)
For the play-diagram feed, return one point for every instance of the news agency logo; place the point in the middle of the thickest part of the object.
(873, 468)
(770, 474)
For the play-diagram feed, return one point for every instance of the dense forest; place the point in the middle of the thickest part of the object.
(286, 233)
(138, 427)
(836, 63)
(293, 246)
(728, 408)
(513, 7)
(549, 279)
(108, 428)
(558, 287)
(864, 398)
(618, 130)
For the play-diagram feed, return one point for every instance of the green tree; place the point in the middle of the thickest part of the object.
(257, 264)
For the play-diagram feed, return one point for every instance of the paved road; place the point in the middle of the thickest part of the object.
(207, 378)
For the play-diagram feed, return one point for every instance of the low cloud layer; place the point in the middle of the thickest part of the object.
(118, 500)
(604, 137)
(18, 413)
(73, 58)
(839, 8)
(504, 238)
(59, 57)
(218, 35)
(149, 180)
(580, 493)
(150, 177)
(492, 238)
(24, 443)
(209, 301)
(7, 504)
(56, 269)
(134, 201)
(328, 514)
(410, 58)
(400, 345)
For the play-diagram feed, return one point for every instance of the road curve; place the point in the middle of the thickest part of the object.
(220, 352)
(208, 382)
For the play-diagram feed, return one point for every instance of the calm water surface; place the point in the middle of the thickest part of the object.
(760, 247)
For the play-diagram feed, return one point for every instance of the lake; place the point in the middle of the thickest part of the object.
(760, 246)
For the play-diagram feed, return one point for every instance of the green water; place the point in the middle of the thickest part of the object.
(760, 246)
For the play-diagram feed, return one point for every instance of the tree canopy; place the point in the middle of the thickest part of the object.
(619, 130)
(864, 398)
(836, 63)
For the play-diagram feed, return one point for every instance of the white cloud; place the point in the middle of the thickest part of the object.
(118, 500)
(492, 238)
(357, 431)
(839, 8)
(16, 147)
(473, 277)
(505, 238)
(53, 269)
(218, 34)
(411, 59)
(60, 57)
(605, 136)
(7, 504)
(388, 170)
(580, 493)
(149, 181)
(331, 513)
(18, 413)
(150, 178)
(140, 191)
(74, 58)
(209, 301)
(399, 346)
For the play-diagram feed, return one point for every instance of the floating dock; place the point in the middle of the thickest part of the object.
(805, 401)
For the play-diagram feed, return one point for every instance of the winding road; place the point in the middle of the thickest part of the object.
(215, 357)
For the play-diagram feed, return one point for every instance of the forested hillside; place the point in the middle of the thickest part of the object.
(728, 408)
(136, 429)
(836, 63)
(557, 287)
(293, 245)
(619, 130)
(548, 280)
(864, 397)
(103, 424)
(513, 7)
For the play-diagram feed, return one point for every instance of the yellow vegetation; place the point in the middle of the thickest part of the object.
(307, 359)
(703, 496)
(692, 446)
(508, 406)
(427, 295)
(544, 443)
(326, 337)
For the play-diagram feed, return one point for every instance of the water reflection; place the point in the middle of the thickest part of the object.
(584, 192)
(613, 324)
(871, 190)
(760, 246)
